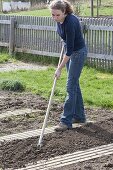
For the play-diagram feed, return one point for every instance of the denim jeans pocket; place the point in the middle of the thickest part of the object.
(74, 56)
(79, 55)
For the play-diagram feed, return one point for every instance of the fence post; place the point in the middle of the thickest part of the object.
(12, 36)
(83, 27)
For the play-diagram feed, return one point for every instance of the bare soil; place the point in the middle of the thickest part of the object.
(19, 153)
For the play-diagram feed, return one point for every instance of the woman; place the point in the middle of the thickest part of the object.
(68, 28)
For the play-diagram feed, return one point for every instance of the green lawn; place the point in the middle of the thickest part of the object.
(4, 58)
(83, 7)
(96, 86)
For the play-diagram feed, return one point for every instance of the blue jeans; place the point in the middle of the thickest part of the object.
(73, 106)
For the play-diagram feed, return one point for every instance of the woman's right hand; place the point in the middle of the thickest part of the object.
(57, 73)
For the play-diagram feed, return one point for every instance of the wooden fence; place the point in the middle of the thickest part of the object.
(37, 35)
(99, 40)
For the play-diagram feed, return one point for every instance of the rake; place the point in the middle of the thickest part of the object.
(49, 104)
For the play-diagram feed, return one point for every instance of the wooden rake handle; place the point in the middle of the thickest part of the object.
(49, 104)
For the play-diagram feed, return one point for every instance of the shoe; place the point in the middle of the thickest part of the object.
(61, 127)
(78, 121)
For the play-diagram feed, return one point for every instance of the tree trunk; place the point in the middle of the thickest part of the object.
(97, 8)
(92, 12)
(0, 5)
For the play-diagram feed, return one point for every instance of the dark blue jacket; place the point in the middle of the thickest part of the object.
(70, 32)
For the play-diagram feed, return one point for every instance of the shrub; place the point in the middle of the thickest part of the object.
(12, 85)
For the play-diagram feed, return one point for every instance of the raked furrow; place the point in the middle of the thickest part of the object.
(73, 158)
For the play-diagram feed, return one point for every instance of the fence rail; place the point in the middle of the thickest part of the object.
(37, 35)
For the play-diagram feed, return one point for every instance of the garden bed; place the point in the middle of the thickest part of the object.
(19, 153)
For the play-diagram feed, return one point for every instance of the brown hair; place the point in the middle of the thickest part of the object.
(62, 5)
